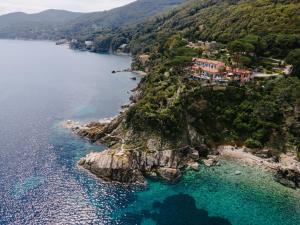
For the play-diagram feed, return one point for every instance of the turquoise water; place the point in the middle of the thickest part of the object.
(251, 198)
(42, 85)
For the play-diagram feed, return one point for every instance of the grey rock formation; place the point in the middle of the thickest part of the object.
(112, 167)
(130, 166)
(289, 177)
(211, 161)
(169, 174)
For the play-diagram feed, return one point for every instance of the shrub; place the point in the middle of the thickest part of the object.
(251, 143)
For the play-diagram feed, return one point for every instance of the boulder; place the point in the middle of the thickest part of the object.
(130, 166)
(112, 167)
(288, 176)
(194, 166)
(237, 173)
(194, 155)
(203, 150)
(211, 161)
(169, 174)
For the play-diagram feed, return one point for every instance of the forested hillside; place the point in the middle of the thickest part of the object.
(56, 24)
(276, 22)
(264, 113)
(130, 14)
(48, 16)
(41, 25)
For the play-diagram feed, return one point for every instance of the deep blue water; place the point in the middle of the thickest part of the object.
(42, 85)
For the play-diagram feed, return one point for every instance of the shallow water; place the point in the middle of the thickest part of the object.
(41, 85)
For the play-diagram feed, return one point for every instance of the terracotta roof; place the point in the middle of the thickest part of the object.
(205, 69)
(216, 70)
(219, 63)
(237, 70)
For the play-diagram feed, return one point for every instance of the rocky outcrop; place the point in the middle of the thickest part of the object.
(288, 171)
(111, 166)
(102, 132)
(130, 166)
(289, 177)
(132, 156)
(211, 160)
(169, 174)
(149, 156)
(193, 166)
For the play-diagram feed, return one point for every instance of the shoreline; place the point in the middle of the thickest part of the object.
(286, 171)
(287, 160)
(230, 152)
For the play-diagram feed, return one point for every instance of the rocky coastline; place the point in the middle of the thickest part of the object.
(123, 163)
(131, 164)
(286, 168)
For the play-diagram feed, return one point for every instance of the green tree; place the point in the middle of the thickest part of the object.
(240, 49)
(293, 58)
(259, 44)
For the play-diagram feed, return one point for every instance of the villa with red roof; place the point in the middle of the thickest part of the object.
(217, 71)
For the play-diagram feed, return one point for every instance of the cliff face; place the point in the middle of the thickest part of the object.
(131, 166)
(132, 156)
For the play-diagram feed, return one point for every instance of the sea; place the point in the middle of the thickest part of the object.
(42, 85)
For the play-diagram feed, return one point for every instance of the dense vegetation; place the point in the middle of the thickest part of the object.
(261, 113)
(133, 13)
(55, 24)
(42, 25)
(276, 22)
(271, 27)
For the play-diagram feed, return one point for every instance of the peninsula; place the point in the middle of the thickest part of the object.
(206, 89)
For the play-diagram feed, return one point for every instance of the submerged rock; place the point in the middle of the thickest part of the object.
(289, 177)
(194, 166)
(169, 174)
(237, 173)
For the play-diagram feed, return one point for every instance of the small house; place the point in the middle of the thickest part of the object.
(217, 71)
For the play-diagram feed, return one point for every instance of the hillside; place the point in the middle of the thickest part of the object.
(55, 24)
(48, 16)
(181, 111)
(41, 25)
(130, 14)
(277, 22)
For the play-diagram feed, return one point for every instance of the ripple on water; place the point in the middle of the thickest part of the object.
(23, 187)
(39, 180)
(250, 198)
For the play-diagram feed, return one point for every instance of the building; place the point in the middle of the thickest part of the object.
(208, 69)
(217, 71)
(240, 75)
(88, 43)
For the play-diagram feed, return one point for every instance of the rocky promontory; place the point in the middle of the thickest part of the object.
(128, 161)
(132, 156)
(132, 166)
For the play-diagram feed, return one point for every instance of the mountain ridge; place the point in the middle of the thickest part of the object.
(49, 15)
(56, 24)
